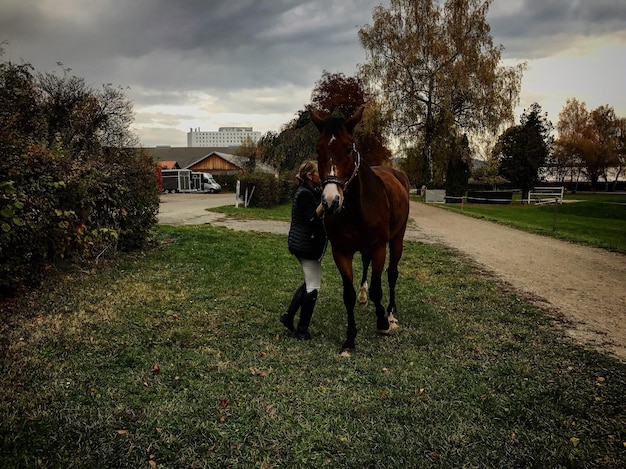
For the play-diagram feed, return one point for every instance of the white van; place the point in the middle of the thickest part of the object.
(205, 182)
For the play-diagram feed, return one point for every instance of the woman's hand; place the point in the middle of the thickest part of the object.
(319, 211)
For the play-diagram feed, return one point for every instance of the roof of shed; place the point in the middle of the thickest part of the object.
(190, 156)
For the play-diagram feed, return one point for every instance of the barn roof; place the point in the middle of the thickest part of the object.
(186, 157)
(173, 164)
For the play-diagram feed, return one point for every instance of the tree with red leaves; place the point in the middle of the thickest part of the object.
(336, 94)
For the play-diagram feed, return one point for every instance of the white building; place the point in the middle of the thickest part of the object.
(224, 137)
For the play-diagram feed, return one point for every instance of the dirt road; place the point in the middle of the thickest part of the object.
(190, 209)
(584, 287)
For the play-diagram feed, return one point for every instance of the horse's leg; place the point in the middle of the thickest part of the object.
(395, 253)
(363, 287)
(349, 300)
(376, 290)
(344, 265)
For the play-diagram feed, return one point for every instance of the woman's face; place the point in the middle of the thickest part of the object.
(314, 179)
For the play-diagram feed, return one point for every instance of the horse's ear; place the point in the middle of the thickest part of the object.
(355, 119)
(318, 121)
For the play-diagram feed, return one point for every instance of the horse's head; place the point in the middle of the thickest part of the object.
(337, 159)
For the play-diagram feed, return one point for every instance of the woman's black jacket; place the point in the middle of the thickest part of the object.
(307, 238)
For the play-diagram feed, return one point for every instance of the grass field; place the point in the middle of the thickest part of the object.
(592, 219)
(175, 358)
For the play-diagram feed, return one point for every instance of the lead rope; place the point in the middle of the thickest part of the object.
(325, 234)
(357, 166)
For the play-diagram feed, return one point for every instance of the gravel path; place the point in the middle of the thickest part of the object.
(585, 288)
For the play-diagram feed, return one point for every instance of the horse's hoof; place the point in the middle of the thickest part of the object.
(393, 322)
(346, 353)
(347, 347)
(362, 298)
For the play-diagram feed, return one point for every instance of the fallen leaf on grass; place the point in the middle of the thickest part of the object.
(260, 373)
(152, 463)
(156, 368)
(262, 354)
(574, 441)
(122, 432)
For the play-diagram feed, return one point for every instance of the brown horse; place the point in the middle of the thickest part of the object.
(366, 209)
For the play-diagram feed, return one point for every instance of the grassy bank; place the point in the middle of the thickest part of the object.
(593, 219)
(278, 213)
(176, 359)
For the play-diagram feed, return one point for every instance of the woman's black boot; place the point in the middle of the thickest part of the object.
(296, 302)
(306, 312)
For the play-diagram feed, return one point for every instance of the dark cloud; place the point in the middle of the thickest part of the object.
(258, 57)
(532, 29)
(188, 43)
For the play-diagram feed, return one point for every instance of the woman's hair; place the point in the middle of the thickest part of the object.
(305, 168)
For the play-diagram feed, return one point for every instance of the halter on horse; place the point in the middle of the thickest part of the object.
(366, 209)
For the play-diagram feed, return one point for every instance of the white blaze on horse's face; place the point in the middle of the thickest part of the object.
(332, 197)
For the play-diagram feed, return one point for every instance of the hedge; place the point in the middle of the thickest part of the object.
(265, 190)
(55, 209)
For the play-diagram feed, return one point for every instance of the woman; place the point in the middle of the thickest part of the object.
(307, 241)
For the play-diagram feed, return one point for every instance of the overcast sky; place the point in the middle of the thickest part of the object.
(216, 63)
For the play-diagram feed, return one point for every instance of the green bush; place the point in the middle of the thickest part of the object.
(228, 182)
(37, 233)
(72, 187)
(139, 199)
(264, 190)
(57, 210)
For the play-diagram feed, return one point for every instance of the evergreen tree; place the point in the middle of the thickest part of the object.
(522, 150)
